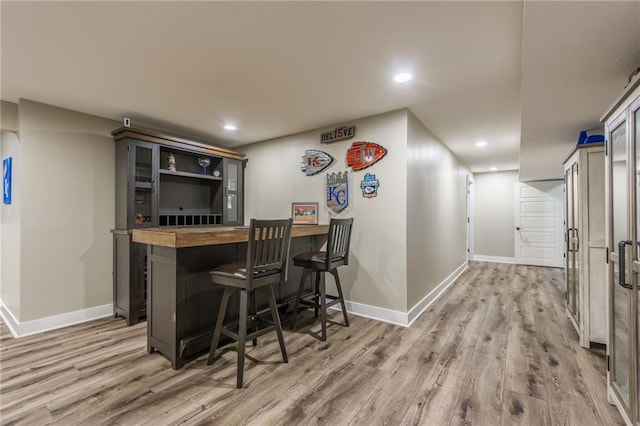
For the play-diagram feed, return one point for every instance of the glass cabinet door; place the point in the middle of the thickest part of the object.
(233, 190)
(635, 293)
(142, 188)
(571, 254)
(575, 300)
(619, 260)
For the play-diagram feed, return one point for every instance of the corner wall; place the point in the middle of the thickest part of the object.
(67, 179)
(10, 228)
(376, 275)
(436, 214)
(494, 215)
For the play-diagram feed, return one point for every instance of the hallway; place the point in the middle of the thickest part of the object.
(497, 348)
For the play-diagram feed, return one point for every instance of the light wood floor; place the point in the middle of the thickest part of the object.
(497, 349)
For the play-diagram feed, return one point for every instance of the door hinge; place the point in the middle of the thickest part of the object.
(468, 220)
(608, 363)
(606, 255)
(606, 147)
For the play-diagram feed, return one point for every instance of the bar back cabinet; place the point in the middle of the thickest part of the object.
(585, 243)
(164, 180)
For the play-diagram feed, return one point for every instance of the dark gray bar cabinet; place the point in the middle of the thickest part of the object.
(166, 181)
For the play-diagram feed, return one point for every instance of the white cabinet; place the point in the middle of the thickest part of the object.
(585, 263)
(622, 131)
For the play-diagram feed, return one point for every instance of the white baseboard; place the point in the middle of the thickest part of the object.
(435, 294)
(403, 319)
(27, 328)
(376, 313)
(496, 259)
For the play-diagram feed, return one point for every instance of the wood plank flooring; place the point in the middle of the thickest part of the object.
(496, 349)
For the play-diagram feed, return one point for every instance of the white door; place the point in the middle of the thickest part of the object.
(539, 211)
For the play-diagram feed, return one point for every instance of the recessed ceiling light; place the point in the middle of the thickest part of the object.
(403, 77)
(493, 169)
(481, 143)
(229, 127)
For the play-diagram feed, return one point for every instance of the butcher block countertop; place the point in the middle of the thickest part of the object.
(193, 236)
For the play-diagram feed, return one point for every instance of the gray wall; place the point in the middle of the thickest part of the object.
(66, 210)
(376, 275)
(494, 210)
(10, 229)
(436, 212)
(8, 116)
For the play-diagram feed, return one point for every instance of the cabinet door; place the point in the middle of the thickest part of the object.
(142, 203)
(635, 292)
(233, 192)
(619, 276)
(575, 242)
(569, 227)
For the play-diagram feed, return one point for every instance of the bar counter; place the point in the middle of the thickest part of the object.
(182, 303)
(194, 236)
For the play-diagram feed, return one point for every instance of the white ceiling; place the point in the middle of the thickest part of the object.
(525, 77)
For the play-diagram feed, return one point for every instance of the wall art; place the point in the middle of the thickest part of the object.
(304, 213)
(338, 134)
(314, 161)
(6, 180)
(337, 191)
(369, 186)
(364, 154)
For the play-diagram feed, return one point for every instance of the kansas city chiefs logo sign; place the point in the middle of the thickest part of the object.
(314, 161)
(364, 154)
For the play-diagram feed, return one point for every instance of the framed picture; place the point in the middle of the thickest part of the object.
(304, 213)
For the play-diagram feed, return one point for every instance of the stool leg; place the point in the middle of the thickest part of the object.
(334, 272)
(317, 297)
(323, 307)
(254, 311)
(305, 273)
(218, 327)
(276, 322)
(242, 335)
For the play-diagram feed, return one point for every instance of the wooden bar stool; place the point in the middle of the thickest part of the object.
(267, 253)
(317, 262)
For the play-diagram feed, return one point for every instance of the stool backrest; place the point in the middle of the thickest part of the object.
(338, 241)
(268, 247)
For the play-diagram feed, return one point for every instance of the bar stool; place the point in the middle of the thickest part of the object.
(267, 253)
(317, 262)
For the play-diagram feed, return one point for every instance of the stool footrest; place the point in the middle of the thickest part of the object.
(316, 302)
(230, 329)
(250, 336)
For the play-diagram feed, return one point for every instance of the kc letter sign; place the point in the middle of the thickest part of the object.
(337, 191)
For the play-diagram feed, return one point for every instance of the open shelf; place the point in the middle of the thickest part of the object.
(189, 175)
(190, 219)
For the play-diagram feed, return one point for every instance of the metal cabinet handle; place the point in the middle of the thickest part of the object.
(622, 270)
(571, 248)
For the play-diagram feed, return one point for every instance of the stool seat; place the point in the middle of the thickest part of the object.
(267, 252)
(317, 262)
(314, 259)
(239, 271)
